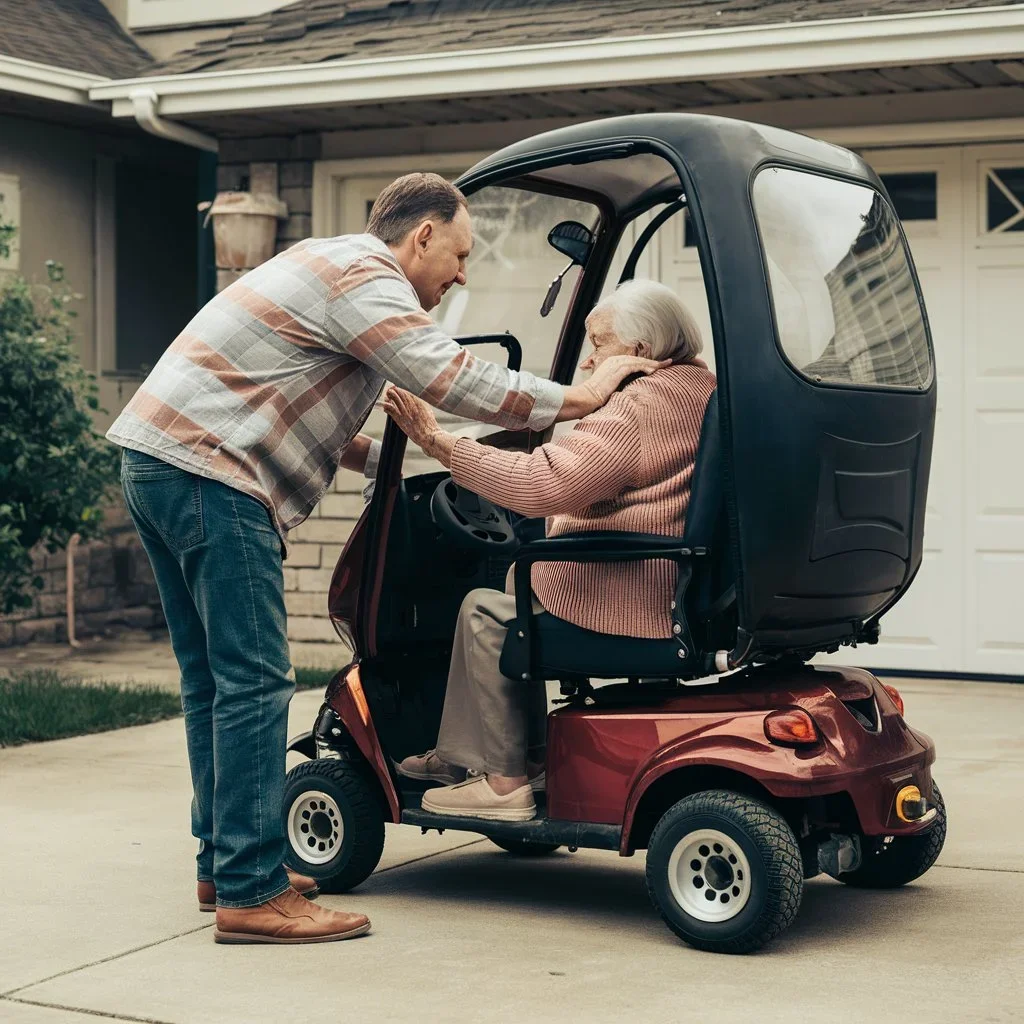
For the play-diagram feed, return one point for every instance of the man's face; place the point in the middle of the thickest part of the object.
(606, 342)
(438, 258)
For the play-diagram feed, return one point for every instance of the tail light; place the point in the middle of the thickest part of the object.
(791, 727)
(894, 695)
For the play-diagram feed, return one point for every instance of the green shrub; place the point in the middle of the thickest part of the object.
(55, 470)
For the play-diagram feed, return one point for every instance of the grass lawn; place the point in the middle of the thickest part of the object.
(40, 704)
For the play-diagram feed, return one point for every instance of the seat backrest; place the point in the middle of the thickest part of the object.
(707, 497)
(707, 524)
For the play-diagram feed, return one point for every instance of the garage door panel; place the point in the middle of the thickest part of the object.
(998, 480)
(915, 634)
(999, 632)
(1000, 306)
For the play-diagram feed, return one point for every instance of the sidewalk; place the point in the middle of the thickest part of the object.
(99, 920)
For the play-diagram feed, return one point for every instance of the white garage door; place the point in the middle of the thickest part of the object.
(962, 614)
(963, 210)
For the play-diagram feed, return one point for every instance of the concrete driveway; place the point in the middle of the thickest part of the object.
(98, 914)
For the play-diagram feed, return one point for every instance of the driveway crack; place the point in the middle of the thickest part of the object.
(102, 1014)
(103, 960)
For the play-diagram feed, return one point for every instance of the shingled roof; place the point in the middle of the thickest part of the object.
(312, 31)
(77, 35)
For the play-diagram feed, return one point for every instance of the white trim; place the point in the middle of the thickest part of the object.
(43, 81)
(328, 175)
(931, 37)
(10, 213)
(927, 133)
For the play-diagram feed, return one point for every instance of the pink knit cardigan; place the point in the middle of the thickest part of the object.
(626, 467)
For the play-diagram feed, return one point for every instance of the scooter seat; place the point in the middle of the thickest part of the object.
(560, 648)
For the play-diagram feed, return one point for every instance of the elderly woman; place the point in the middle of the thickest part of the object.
(625, 467)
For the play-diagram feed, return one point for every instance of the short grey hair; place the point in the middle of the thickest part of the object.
(648, 311)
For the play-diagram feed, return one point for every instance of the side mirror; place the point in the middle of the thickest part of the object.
(573, 240)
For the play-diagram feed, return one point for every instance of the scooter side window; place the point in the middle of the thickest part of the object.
(847, 308)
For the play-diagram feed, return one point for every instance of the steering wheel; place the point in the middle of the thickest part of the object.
(471, 521)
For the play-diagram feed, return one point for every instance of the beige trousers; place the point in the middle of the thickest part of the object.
(490, 723)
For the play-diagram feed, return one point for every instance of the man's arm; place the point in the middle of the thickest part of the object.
(374, 316)
(361, 455)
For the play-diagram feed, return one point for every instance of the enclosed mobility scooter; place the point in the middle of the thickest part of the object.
(804, 528)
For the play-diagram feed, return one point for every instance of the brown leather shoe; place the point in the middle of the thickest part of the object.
(287, 918)
(303, 885)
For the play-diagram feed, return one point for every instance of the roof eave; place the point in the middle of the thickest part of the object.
(803, 47)
(46, 82)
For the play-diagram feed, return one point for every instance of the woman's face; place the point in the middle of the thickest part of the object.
(601, 335)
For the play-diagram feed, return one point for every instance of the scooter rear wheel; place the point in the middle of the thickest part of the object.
(724, 871)
(890, 865)
(334, 822)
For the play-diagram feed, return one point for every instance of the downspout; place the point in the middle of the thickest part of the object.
(144, 103)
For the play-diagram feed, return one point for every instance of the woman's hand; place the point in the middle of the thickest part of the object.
(412, 414)
(418, 422)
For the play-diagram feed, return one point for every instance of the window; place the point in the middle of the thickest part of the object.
(846, 305)
(156, 268)
(1004, 194)
(10, 221)
(510, 268)
(914, 195)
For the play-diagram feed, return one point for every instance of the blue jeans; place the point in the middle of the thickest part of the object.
(217, 561)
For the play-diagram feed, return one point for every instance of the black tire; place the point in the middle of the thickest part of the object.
(888, 866)
(352, 795)
(772, 892)
(525, 847)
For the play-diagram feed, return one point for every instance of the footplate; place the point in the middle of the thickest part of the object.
(578, 834)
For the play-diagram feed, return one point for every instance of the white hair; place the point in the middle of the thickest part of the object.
(650, 312)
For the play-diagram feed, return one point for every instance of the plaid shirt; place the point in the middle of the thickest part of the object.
(272, 378)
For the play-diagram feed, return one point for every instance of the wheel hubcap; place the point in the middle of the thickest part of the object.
(315, 827)
(709, 875)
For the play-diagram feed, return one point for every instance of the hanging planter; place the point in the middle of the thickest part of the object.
(244, 227)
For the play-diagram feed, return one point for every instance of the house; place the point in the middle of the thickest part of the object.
(334, 99)
(117, 207)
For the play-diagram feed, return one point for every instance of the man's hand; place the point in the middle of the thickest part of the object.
(583, 399)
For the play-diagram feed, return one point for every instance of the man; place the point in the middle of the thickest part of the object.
(232, 440)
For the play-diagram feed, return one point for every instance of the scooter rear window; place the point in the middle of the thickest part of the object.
(846, 306)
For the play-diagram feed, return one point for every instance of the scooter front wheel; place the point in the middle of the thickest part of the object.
(334, 822)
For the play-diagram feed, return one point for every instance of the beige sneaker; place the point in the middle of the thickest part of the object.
(429, 767)
(474, 798)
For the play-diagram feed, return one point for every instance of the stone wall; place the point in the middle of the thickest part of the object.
(114, 589)
(313, 550)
